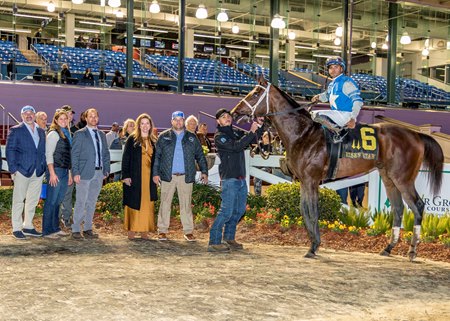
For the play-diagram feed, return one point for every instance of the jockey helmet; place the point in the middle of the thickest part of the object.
(335, 61)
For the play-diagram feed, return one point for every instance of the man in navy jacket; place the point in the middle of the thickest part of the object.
(25, 154)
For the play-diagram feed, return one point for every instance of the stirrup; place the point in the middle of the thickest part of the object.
(338, 138)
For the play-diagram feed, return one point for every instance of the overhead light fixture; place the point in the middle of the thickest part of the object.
(291, 35)
(373, 45)
(119, 14)
(206, 36)
(322, 56)
(337, 41)
(31, 16)
(385, 46)
(387, 38)
(15, 30)
(114, 4)
(425, 52)
(251, 41)
(339, 31)
(57, 40)
(237, 47)
(262, 56)
(51, 6)
(152, 30)
(154, 7)
(77, 1)
(405, 39)
(198, 42)
(222, 16)
(86, 30)
(235, 29)
(305, 47)
(102, 3)
(277, 22)
(96, 23)
(201, 12)
(310, 61)
(143, 37)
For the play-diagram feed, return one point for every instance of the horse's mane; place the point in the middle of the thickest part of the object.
(292, 102)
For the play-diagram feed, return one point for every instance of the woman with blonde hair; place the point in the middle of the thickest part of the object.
(139, 190)
(127, 129)
(58, 152)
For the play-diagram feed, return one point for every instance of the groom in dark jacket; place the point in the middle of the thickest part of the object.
(177, 150)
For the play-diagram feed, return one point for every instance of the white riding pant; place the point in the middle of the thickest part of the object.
(341, 118)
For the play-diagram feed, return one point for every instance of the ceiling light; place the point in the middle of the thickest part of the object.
(154, 7)
(262, 56)
(153, 30)
(77, 1)
(373, 45)
(337, 41)
(15, 30)
(86, 30)
(237, 47)
(387, 38)
(305, 60)
(119, 13)
(206, 36)
(198, 42)
(235, 28)
(96, 23)
(425, 52)
(405, 39)
(291, 35)
(51, 6)
(339, 31)
(114, 4)
(143, 37)
(322, 56)
(385, 46)
(277, 22)
(222, 16)
(201, 12)
(305, 47)
(31, 16)
(102, 3)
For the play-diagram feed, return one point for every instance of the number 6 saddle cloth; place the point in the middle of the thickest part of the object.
(360, 142)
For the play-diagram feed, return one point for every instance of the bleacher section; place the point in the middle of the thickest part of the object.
(79, 59)
(199, 70)
(8, 51)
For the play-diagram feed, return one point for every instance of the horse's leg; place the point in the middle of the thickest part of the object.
(416, 205)
(395, 197)
(310, 212)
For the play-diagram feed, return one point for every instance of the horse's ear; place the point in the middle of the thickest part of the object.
(262, 81)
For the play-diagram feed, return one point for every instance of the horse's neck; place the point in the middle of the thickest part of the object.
(291, 127)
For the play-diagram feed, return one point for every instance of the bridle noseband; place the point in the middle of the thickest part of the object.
(264, 95)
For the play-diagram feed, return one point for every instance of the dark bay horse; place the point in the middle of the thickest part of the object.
(400, 155)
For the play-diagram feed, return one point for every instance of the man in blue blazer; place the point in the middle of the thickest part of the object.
(90, 165)
(25, 154)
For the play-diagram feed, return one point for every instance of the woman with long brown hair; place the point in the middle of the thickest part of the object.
(139, 190)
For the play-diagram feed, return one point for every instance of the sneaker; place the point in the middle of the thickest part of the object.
(162, 237)
(51, 236)
(77, 236)
(62, 233)
(90, 235)
(223, 248)
(31, 232)
(234, 245)
(19, 235)
(190, 237)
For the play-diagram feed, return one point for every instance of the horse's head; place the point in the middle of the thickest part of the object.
(254, 104)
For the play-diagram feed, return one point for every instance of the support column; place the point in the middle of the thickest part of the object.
(189, 43)
(274, 44)
(70, 25)
(345, 31)
(130, 31)
(290, 55)
(392, 52)
(181, 45)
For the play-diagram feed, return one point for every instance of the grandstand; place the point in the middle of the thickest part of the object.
(8, 50)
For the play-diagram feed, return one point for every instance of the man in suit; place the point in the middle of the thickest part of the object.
(25, 154)
(90, 165)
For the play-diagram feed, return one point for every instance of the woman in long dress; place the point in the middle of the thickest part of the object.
(139, 190)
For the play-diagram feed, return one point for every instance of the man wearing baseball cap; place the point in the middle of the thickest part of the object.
(25, 154)
(230, 145)
(177, 150)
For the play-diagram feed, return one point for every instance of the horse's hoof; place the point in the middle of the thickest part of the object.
(385, 253)
(310, 255)
(412, 256)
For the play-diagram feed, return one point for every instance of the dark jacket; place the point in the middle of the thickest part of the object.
(192, 151)
(21, 153)
(61, 155)
(132, 168)
(230, 146)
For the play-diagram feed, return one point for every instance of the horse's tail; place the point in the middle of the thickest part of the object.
(433, 159)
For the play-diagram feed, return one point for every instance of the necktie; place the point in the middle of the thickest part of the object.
(97, 141)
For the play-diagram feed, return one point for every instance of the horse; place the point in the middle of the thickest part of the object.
(400, 155)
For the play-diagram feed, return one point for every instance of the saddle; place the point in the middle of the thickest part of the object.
(360, 142)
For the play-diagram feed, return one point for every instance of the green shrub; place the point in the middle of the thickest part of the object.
(256, 201)
(356, 217)
(382, 223)
(110, 199)
(408, 220)
(433, 225)
(286, 197)
(6, 199)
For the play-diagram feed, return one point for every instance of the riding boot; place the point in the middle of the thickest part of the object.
(331, 125)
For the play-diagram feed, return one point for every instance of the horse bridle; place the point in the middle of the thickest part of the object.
(266, 95)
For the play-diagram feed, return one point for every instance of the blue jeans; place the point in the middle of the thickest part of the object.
(234, 200)
(55, 196)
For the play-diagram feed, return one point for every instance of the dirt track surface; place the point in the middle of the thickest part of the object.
(116, 279)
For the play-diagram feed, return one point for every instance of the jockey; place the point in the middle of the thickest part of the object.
(344, 97)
